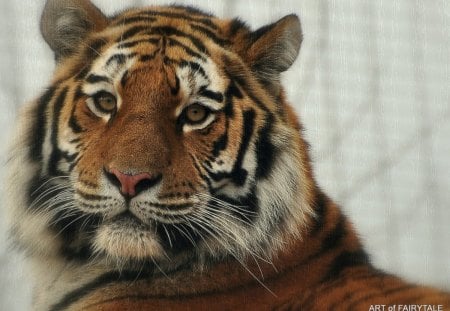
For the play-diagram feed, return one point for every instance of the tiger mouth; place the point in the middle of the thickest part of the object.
(147, 216)
(127, 218)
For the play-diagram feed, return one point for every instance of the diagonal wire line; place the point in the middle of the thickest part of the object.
(387, 163)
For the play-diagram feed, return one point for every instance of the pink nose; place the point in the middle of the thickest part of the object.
(129, 183)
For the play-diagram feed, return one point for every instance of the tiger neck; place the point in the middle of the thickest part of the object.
(326, 248)
(329, 246)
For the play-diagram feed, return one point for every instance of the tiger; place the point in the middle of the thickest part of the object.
(164, 169)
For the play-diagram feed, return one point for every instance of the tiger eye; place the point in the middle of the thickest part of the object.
(196, 113)
(106, 102)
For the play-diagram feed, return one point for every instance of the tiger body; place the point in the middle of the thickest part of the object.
(165, 170)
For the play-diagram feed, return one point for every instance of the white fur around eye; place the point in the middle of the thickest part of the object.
(192, 127)
(102, 113)
(91, 105)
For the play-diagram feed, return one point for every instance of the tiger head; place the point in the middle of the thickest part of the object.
(165, 134)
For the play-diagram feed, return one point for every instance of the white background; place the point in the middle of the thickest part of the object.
(372, 86)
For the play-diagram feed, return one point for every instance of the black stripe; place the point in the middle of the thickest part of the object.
(69, 157)
(235, 26)
(346, 260)
(265, 150)
(81, 254)
(75, 141)
(69, 225)
(205, 21)
(132, 32)
(163, 31)
(239, 175)
(216, 96)
(81, 74)
(170, 207)
(38, 132)
(250, 203)
(231, 93)
(199, 171)
(75, 163)
(124, 79)
(222, 142)
(55, 155)
(93, 49)
(73, 122)
(320, 210)
(174, 89)
(181, 237)
(78, 93)
(43, 185)
(186, 49)
(147, 57)
(211, 35)
(330, 242)
(242, 83)
(333, 238)
(99, 282)
(195, 67)
(171, 31)
(93, 78)
(153, 41)
(88, 184)
(192, 10)
(92, 197)
(234, 72)
(134, 19)
(119, 59)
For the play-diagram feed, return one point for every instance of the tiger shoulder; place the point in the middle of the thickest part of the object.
(164, 169)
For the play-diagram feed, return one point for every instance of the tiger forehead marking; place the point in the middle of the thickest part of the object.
(152, 94)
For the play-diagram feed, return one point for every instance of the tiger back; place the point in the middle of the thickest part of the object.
(163, 169)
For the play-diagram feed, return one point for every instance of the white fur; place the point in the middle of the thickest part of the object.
(130, 240)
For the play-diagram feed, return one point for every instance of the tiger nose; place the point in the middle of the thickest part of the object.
(131, 184)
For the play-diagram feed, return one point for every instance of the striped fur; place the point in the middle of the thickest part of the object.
(228, 215)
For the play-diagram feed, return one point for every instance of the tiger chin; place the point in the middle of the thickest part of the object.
(163, 169)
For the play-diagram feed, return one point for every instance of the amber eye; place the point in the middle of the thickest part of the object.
(105, 102)
(196, 113)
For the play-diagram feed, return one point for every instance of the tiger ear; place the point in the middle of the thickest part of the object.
(66, 23)
(274, 48)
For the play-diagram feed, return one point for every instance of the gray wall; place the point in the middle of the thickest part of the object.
(372, 88)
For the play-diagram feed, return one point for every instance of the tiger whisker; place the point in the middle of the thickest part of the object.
(167, 234)
(239, 261)
(184, 233)
(188, 219)
(213, 211)
(241, 208)
(222, 229)
(160, 269)
(49, 181)
(236, 238)
(57, 188)
(69, 224)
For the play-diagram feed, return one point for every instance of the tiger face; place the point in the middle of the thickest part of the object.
(164, 134)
